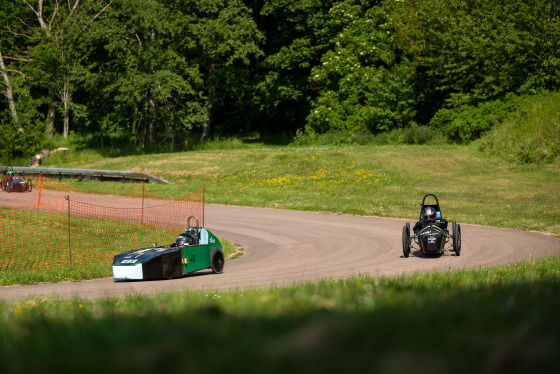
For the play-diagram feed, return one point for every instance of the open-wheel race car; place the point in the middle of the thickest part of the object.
(11, 183)
(430, 233)
(195, 249)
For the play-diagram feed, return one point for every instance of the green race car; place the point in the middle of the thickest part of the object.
(195, 249)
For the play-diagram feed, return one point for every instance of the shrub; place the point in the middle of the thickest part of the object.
(531, 134)
(467, 123)
(409, 135)
(18, 141)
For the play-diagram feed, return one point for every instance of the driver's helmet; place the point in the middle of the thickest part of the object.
(429, 213)
(10, 172)
(184, 239)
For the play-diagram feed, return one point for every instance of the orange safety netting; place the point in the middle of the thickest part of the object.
(35, 238)
(85, 229)
(106, 231)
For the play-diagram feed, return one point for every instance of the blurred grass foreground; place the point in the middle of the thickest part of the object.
(492, 320)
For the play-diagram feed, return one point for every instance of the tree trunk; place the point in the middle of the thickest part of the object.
(8, 92)
(152, 106)
(210, 102)
(66, 99)
(39, 13)
(248, 124)
(66, 121)
(50, 118)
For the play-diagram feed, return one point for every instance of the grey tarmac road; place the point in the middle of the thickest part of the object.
(283, 247)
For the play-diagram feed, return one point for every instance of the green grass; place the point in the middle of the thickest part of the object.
(386, 181)
(37, 276)
(74, 274)
(90, 255)
(490, 320)
(531, 134)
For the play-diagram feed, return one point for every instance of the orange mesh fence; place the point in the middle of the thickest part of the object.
(85, 229)
(45, 185)
(99, 232)
(140, 194)
(34, 238)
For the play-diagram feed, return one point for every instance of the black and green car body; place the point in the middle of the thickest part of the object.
(202, 251)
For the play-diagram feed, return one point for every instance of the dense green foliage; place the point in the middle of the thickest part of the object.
(491, 320)
(165, 73)
(469, 122)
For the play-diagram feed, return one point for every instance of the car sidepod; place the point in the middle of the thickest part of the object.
(149, 263)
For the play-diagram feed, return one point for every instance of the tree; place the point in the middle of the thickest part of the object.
(45, 35)
(142, 83)
(7, 92)
(298, 33)
(20, 131)
(11, 38)
(49, 58)
(466, 52)
(364, 82)
(226, 36)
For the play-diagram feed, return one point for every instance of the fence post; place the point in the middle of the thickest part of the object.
(68, 228)
(203, 223)
(142, 211)
(38, 204)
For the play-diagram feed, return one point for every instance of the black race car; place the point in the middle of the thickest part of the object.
(431, 233)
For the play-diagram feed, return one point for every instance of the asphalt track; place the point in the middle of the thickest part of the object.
(283, 247)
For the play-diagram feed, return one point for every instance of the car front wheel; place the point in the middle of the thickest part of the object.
(217, 261)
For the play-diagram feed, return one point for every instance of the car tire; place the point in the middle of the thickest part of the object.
(457, 238)
(217, 261)
(29, 185)
(406, 240)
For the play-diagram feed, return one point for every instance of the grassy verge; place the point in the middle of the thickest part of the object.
(387, 181)
(74, 274)
(37, 246)
(488, 320)
(531, 133)
(36, 276)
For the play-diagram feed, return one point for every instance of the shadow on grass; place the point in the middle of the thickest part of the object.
(355, 327)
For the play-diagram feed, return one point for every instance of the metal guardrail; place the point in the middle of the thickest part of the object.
(88, 174)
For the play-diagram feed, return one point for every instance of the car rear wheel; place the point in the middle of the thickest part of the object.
(457, 238)
(406, 240)
(29, 185)
(217, 261)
